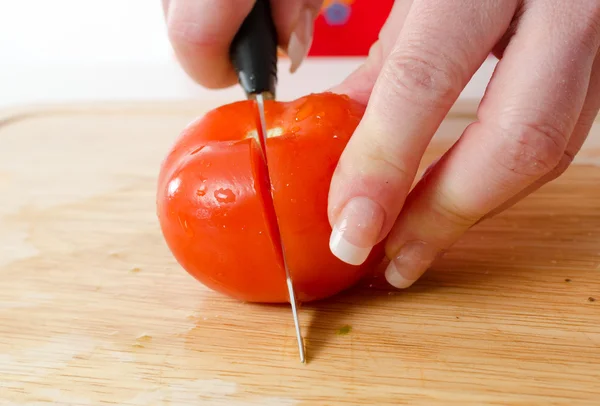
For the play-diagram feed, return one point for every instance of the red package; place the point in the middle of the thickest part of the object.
(348, 27)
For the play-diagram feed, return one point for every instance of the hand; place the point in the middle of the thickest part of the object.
(201, 32)
(535, 116)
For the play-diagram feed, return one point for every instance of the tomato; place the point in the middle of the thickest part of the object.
(217, 209)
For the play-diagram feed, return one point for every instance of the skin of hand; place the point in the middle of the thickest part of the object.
(201, 32)
(533, 119)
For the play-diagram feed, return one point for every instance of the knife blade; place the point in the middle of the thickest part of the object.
(253, 54)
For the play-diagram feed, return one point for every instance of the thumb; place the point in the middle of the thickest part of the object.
(201, 32)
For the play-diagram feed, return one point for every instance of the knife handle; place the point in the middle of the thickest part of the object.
(253, 51)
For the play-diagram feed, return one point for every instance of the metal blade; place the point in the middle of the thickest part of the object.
(288, 277)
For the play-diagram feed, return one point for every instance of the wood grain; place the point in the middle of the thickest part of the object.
(94, 310)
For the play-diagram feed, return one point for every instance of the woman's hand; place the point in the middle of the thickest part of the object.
(201, 32)
(535, 116)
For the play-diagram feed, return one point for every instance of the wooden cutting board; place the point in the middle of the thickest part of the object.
(94, 309)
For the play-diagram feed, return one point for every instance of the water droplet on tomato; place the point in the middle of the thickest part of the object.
(335, 136)
(224, 195)
(201, 190)
(294, 129)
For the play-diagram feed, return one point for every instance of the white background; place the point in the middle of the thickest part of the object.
(72, 50)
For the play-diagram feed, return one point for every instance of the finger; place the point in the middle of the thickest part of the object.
(527, 116)
(359, 84)
(433, 59)
(295, 22)
(201, 32)
(588, 115)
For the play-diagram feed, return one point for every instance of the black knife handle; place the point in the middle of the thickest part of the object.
(253, 51)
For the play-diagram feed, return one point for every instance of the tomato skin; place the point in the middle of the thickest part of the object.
(301, 167)
(214, 201)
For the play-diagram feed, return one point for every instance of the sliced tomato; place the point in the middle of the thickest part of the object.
(218, 212)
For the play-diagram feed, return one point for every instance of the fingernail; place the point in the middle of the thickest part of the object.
(300, 39)
(411, 262)
(356, 230)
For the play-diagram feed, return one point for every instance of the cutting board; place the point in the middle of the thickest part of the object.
(94, 309)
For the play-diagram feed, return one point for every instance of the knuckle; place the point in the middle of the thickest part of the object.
(584, 24)
(448, 211)
(592, 23)
(532, 149)
(590, 37)
(384, 160)
(419, 78)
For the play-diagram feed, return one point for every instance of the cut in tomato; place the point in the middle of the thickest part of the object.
(214, 199)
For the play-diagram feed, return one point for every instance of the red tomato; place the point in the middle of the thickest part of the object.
(215, 206)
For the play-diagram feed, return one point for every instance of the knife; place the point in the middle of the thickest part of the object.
(253, 54)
